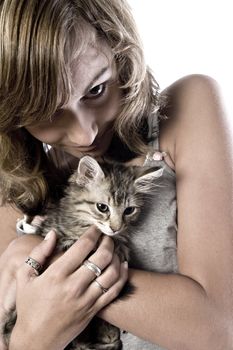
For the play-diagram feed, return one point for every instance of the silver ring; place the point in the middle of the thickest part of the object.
(104, 290)
(93, 267)
(34, 264)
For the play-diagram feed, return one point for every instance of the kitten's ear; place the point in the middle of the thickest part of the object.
(145, 181)
(88, 171)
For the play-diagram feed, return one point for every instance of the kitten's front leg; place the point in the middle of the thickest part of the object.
(64, 243)
(121, 248)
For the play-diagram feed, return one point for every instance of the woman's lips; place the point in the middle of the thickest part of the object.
(92, 147)
(81, 149)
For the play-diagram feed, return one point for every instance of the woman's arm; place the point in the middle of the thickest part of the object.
(8, 262)
(192, 310)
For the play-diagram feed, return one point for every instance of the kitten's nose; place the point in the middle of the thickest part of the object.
(115, 228)
(116, 220)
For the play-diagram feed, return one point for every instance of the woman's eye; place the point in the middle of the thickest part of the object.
(103, 208)
(96, 91)
(129, 210)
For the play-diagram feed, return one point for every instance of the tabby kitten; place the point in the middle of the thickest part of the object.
(111, 197)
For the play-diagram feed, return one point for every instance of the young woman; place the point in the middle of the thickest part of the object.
(73, 82)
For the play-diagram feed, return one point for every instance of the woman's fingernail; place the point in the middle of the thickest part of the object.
(125, 264)
(48, 236)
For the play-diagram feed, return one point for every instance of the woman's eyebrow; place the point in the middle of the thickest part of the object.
(98, 75)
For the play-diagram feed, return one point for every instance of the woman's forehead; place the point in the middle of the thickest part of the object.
(93, 57)
(93, 62)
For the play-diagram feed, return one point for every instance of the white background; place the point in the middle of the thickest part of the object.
(183, 37)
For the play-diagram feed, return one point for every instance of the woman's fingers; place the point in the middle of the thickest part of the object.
(111, 276)
(101, 258)
(39, 254)
(77, 253)
(114, 290)
(81, 277)
(105, 281)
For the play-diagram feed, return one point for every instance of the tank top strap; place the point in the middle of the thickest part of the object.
(155, 156)
(153, 132)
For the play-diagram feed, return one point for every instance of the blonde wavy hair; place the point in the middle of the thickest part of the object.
(38, 39)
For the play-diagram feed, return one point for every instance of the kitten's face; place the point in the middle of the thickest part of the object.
(111, 214)
(111, 197)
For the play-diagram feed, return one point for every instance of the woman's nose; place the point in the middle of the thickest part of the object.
(83, 135)
(83, 128)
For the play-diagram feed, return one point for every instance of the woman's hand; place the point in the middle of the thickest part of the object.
(57, 305)
(10, 261)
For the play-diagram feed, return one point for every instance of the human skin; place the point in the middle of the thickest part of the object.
(83, 125)
(193, 309)
(69, 293)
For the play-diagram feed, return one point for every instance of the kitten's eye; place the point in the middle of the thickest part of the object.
(96, 91)
(129, 210)
(103, 208)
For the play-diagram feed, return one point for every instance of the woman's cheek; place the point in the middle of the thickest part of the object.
(49, 134)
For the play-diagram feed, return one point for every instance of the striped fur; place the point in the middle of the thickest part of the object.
(123, 190)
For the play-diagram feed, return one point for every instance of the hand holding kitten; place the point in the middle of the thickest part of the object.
(64, 291)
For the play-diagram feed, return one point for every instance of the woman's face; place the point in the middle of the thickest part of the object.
(83, 125)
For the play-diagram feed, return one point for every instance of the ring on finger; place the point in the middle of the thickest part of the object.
(37, 267)
(93, 267)
(104, 290)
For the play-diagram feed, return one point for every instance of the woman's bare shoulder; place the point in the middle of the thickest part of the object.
(187, 84)
(192, 102)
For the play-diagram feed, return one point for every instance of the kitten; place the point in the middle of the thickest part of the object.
(111, 197)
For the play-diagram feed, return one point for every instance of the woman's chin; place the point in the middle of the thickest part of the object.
(95, 153)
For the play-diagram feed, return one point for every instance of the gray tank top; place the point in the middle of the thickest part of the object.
(154, 240)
